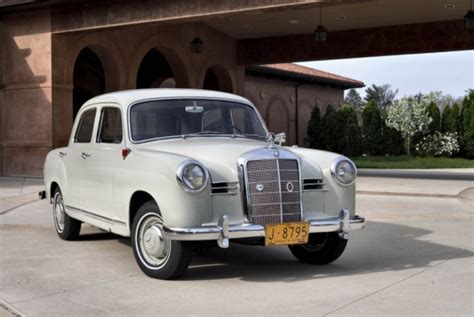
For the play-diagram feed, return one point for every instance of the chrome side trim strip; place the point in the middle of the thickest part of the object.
(95, 216)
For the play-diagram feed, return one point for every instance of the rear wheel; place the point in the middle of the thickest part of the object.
(322, 248)
(157, 256)
(67, 228)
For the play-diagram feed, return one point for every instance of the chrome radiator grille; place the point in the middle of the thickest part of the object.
(273, 191)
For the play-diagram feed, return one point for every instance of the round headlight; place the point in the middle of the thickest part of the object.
(192, 176)
(343, 171)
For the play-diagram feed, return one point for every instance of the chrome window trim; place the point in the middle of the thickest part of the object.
(99, 127)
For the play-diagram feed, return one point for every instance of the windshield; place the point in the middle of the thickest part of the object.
(184, 118)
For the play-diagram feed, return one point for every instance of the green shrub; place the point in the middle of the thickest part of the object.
(435, 114)
(467, 131)
(332, 134)
(392, 141)
(314, 130)
(451, 120)
(351, 144)
(372, 129)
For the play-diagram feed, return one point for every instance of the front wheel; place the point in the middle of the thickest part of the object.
(157, 256)
(322, 248)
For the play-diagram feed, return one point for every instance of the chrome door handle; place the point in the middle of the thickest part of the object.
(85, 155)
(62, 154)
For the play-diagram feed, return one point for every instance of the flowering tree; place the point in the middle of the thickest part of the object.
(409, 118)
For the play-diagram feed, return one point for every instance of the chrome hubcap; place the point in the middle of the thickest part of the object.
(59, 212)
(154, 248)
(153, 241)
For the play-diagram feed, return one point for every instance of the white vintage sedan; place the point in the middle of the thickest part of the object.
(172, 168)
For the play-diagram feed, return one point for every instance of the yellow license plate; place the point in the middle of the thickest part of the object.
(287, 233)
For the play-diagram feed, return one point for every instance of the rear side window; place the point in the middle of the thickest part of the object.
(85, 127)
(110, 128)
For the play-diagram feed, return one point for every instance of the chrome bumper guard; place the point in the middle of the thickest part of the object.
(223, 231)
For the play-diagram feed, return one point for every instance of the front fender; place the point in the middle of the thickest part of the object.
(335, 197)
(155, 174)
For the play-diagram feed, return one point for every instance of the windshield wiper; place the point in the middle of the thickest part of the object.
(208, 132)
(250, 136)
(184, 136)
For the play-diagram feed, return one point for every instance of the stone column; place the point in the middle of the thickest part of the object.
(27, 125)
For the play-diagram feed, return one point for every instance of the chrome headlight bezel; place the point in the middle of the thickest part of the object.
(334, 166)
(185, 184)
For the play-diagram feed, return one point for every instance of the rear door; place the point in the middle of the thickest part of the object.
(74, 158)
(101, 162)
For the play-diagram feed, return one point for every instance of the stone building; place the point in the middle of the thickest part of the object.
(55, 54)
(285, 95)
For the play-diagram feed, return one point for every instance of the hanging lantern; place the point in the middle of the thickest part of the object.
(320, 34)
(197, 45)
(469, 19)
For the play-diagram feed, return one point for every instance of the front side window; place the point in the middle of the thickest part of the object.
(85, 127)
(182, 118)
(110, 128)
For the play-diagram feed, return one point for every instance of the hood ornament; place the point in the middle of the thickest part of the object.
(273, 139)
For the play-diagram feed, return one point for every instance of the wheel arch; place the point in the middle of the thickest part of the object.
(52, 188)
(137, 199)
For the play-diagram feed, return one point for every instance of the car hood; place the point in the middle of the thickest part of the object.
(220, 155)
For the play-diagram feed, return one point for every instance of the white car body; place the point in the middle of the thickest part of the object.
(100, 186)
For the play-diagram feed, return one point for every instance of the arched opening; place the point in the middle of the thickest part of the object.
(277, 117)
(217, 78)
(155, 71)
(88, 79)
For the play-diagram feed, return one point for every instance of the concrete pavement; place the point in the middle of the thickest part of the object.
(416, 257)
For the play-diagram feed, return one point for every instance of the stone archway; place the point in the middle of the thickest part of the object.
(160, 68)
(74, 62)
(277, 116)
(88, 79)
(217, 78)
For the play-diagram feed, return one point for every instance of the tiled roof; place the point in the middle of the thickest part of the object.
(306, 73)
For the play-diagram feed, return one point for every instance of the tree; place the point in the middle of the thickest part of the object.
(442, 101)
(314, 129)
(353, 99)
(392, 141)
(467, 131)
(372, 129)
(409, 118)
(352, 139)
(451, 121)
(383, 96)
(434, 113)
(332, 133)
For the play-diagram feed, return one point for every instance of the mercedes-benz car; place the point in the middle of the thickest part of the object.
(176, 168)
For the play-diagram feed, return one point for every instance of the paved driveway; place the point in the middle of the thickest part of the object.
(415, 257)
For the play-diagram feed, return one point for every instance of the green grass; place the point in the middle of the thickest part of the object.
(411, 162)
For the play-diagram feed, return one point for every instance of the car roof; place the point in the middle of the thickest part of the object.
(127, 97)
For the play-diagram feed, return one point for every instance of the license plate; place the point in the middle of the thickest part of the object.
(287, 233)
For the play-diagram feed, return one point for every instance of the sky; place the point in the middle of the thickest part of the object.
(452, 72)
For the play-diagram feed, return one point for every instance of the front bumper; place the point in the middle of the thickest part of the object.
(223, 231)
